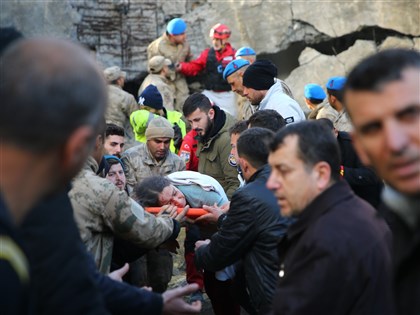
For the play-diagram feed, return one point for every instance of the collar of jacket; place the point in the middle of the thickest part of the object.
(91, 165)
(150, 160)
(275, 88)
(226, 51)
(218, 124)
(263, 170)
(319, 206)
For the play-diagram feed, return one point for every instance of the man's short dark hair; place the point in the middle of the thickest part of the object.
(315, 101)
(267, 118)
(238, 127)
(147, 191)
(326, 122)
(253, 145)
(48, 88)
(114, 130)
(386, 66)
(339, 94)
(194, 101)
(316, 143)
(8, 35)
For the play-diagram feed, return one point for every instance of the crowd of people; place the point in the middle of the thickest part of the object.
(311, 211)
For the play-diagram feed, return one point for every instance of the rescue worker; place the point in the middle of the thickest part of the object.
(335, 87)
(212, 61)
(151, 105)
(161, 76)
(173, 46)
(121, 104)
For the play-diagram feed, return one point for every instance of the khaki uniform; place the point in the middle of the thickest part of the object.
(121, 105)
(327, 111)
(102, 211)
(140, 164)
(342, 123)
(176, 53)
(216, 161)
(164, 86)
(245, 109)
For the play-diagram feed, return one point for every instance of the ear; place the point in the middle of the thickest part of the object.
(322, 171)
(211, 113)
(77, 148)
(361, 153)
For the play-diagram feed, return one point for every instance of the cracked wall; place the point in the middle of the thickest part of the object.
(307, 42)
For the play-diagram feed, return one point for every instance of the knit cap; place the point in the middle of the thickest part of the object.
(260, 75)
(151, 97)
(159, 127)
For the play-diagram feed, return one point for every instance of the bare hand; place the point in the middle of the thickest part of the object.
(180, 217)
(214, 212)
(198, 244)
(118, 274)
(173, 302)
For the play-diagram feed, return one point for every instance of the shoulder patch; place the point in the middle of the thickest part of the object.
(186, 146)
(289, 120)
(232, 160)
(185, 155)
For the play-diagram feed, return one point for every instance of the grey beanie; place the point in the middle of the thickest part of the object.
(159, 127)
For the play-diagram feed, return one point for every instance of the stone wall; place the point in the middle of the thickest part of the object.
(307, 40)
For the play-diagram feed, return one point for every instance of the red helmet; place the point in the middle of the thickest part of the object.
(220, 31)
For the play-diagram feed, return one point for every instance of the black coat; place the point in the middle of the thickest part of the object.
(406, 257)
(250, 233)
(363, 180)
(336, 259)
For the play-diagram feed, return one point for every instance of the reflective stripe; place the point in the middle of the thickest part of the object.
(11, 252)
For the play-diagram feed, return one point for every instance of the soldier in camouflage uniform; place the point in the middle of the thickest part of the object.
(121, 104)
(160, 76)
(102, 210)
(173, 46)
(335, 88)
(152, 157)
(142, 161)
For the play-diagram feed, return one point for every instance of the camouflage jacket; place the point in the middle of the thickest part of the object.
(102, 210)
(163, 47)
(325, 111)
(164, 86)
(343, 123)
(140, 164)
(120, 106)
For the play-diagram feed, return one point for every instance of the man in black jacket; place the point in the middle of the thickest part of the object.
(362, 179)
(251, 228)
(336, 258)
(383, 100)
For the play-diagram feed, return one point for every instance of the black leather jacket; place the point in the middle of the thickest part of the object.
(249, 233)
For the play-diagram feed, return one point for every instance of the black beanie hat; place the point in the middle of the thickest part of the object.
(260, 75)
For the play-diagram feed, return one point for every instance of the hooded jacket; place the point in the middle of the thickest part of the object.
(287, 107)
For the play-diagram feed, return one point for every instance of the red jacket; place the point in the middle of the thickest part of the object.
(194, 67)
(187, 151)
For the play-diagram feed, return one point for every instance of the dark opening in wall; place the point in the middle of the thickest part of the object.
(287, 60)
(132, 86)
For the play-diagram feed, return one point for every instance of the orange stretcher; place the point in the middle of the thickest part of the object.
(192, 213)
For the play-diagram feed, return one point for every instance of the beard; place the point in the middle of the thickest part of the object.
(204, 136)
